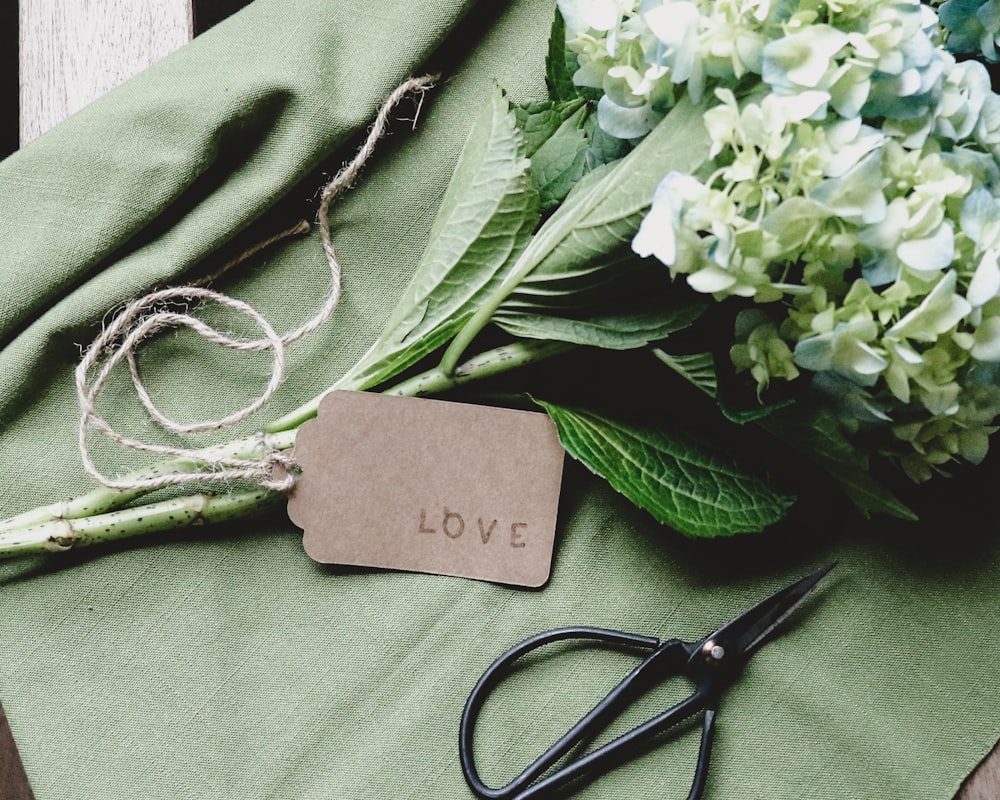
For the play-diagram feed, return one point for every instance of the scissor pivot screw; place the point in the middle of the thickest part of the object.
(713, 652)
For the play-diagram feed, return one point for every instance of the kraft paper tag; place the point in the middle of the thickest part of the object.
(429, 486)
(13, 780)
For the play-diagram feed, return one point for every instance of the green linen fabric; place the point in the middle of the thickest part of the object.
(223, 663)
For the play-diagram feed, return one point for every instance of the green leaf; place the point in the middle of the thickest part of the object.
(560, 63)
(612, 331)
(538, 121)
(577, 284)
(816, 434)
(869, 496)
(561, 161)
(682, 482)
(621, 309)
(696, 368)
(485, 221)
(595, 225)
(812, 432)
(604, 148)
(742, 416)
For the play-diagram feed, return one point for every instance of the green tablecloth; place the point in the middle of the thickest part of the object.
(225, 664)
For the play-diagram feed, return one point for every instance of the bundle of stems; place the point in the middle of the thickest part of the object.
(106, 514)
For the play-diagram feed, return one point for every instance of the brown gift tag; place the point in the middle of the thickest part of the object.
(13, 781)
(429, 486)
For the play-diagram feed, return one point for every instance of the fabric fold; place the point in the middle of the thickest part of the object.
(149, 180)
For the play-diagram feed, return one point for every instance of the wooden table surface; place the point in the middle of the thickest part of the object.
(71, 51)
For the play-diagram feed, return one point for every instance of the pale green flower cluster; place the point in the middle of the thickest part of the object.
(636, 53)
(973, 26)
(852, 196)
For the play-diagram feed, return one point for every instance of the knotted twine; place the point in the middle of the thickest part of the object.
(151, 314)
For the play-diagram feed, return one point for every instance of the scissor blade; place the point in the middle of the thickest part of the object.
(749, 631)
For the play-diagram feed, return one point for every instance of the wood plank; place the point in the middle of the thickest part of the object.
(984, 783)
(73, 51)
(13, 781)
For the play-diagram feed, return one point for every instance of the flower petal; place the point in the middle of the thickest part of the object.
(986, 282)
(711, 279)
(987, 347)
(625, 123)
(929, 254)
(802, 58)
(656, 237)
(938, 312)
(601, 15)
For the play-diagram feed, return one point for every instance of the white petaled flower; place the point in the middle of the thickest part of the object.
(658, 233)
(985, 283)
(851, 192)
(939, 312)
(802, 59)
(677, 24)
(848, 350)
(581, 16)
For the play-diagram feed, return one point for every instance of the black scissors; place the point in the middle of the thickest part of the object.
(711, 664)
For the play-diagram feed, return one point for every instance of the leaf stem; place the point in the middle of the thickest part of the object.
(554, 231)
(485, 365)
(626, 189)
(306, 411)
(436, 380)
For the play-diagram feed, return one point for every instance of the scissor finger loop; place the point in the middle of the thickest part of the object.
(711, 664)
(668, 659)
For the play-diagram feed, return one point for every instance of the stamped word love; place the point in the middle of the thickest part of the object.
(453, 526)
(429, 486)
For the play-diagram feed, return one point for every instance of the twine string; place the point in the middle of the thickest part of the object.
(156, 312)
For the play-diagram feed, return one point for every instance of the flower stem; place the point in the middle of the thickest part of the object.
(61, 535)
(104, 499)
(100, 515)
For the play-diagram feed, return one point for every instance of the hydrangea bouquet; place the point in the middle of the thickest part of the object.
(792, 205)
(848, 192)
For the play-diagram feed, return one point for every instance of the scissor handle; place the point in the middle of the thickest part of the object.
(667, 658)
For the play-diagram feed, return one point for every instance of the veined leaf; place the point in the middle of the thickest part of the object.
(604, 148)
(560, 63)
(561, 160)
(539, 121)
(598, 219)
(696, 368)
(683, 483)
(485, 221)
(612, 331)
(572, 279)
(813, 433)
(816, 435)
(742, 414)
(621, 309)
(603, 215)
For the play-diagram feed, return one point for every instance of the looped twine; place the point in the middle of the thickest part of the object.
(156, 312)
